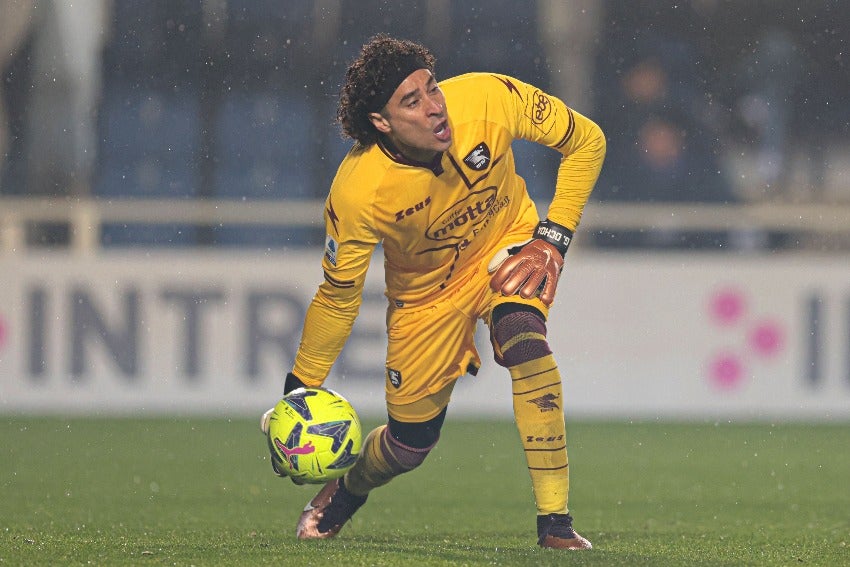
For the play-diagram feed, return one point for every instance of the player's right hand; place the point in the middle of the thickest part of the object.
(273, 457)
(292, 383)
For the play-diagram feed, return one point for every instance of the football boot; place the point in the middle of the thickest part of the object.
(556, 531)
(328, 511)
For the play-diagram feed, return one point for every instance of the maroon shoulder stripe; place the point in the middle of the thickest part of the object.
(570, 129)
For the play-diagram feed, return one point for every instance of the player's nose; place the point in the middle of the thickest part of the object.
(435, 105)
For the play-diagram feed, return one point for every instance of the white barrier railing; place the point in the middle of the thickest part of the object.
(86, 216)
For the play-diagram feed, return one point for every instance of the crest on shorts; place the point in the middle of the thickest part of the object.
(394, 376)
(479, 158)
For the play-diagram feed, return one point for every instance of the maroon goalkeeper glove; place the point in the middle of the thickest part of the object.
(532, 267)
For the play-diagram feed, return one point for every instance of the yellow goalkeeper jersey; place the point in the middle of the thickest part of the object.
(435, 221)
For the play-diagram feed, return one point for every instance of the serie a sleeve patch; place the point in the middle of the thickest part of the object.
(331, 248)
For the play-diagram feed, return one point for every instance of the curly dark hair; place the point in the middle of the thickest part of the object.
(370, 76)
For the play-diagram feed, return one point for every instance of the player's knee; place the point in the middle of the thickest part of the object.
(400, 457)
(406, 445)
(518, 333)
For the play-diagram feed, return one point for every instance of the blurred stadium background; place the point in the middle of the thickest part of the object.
(164, 162)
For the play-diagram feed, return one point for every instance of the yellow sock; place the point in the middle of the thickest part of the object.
(539, 413)
(371, 469)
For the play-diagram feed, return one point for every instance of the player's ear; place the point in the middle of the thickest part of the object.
(379, 122)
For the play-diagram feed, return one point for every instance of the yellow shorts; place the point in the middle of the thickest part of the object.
(432, 345)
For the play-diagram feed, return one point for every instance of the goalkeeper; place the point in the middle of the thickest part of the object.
(431, 178)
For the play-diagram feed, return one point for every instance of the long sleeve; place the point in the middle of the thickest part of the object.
(578, 172)
(327, 326)
(349, 245)
(542, 118)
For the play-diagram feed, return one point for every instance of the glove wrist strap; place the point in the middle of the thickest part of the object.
(555, 234)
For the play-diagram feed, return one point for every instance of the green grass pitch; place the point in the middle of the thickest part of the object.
(194, 491)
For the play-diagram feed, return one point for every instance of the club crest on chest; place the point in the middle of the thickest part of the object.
(479, 158)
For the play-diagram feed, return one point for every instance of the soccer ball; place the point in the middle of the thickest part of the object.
(314, 435)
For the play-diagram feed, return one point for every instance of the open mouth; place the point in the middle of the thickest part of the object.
(442, 131)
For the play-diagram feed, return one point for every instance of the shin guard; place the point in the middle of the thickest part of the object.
(381, 459)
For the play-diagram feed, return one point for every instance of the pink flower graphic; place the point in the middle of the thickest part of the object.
(727, 306)
(767, 339)
(726, 371)
(764, 339)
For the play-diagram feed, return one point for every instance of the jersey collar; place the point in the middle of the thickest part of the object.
(435, 165)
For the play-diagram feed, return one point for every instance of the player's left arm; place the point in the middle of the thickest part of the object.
(534, 267)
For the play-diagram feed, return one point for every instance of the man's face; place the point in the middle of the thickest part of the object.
(415, 118)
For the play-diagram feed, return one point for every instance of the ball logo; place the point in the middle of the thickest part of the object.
(292, 453)
(301, 405)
